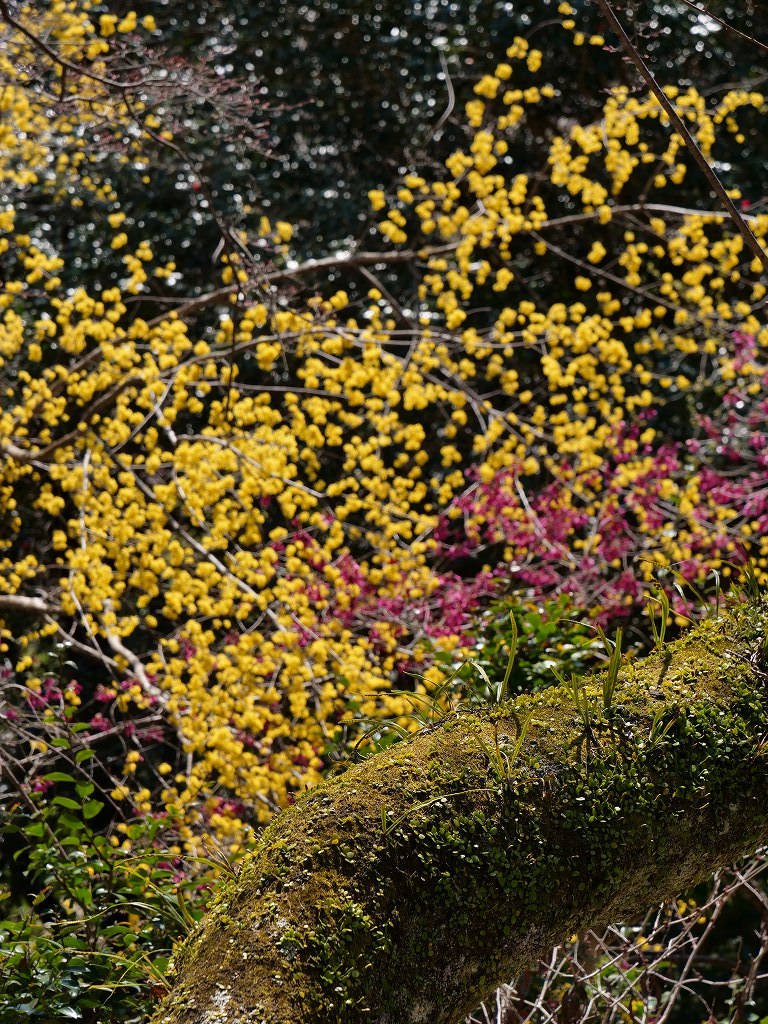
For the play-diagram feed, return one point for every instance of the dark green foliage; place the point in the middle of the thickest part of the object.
(547, 636)
(89, 925)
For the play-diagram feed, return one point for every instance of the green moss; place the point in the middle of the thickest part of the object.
(485, 859)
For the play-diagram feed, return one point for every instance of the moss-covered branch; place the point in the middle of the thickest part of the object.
(407, 889)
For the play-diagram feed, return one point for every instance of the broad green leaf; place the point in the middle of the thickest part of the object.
(65, 801)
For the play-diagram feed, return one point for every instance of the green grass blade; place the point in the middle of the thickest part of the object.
(503, 689)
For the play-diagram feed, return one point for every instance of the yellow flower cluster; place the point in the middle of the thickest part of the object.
(263, 551)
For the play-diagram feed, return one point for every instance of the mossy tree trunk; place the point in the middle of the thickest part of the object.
(405, 890)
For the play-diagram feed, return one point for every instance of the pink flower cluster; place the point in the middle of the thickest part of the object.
(599, 535)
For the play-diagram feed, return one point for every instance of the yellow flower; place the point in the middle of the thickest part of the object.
(377, 200)
(128, 23)
(107, 23)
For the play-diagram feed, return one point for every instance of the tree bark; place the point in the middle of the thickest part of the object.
(407, 889)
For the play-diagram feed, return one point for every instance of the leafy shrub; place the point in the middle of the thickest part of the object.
(90, 920)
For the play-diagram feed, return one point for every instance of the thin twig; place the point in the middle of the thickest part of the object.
(724, 24)
(682, 130)
(353, 261)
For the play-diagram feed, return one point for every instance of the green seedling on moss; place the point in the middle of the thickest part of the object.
(431, 703)
(660, 728)
(716, 574)
(764, 649)
(494, 755)
(376, 735)
(683, 582)
(750, 582)
(437, 711)
(579, 696)
(482, 673)
(513, 643)
(660, 631)
(520, 739)
(611, 677)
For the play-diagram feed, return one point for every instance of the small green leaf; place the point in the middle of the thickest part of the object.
(84, 896)
(65, 801)
(58, 777)
(70, 822)
(91, 808)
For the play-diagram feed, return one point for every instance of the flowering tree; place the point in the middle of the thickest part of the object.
(248, 521)
(246, 516)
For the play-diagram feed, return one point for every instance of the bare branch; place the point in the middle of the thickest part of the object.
(188, 307)
(726, 25)
(22, 603)
(682, 130)
(135, 665)
(352, 261)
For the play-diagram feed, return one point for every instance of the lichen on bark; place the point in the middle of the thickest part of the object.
(407, 889)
